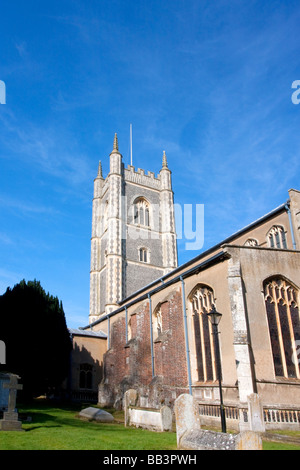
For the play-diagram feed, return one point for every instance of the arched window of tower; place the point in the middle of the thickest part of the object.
(141, 212)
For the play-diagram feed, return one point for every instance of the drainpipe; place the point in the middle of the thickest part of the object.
(186, 336)
(126, 326)
(151, 334)
(108, 332)
(291, 226)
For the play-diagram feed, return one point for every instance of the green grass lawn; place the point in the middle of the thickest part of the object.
(268, 445)
(59, 428)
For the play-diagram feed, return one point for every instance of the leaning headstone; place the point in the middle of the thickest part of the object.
(256, 416)
(186, 414)
(96, 414)
(10, 421)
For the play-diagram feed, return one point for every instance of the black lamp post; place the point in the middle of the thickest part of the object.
(215, 318)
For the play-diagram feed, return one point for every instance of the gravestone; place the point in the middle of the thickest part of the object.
(130, 399)
(256, 416)
(186, 415)
(96, 414)
(148, 418)
(191, 437)
(10, 421)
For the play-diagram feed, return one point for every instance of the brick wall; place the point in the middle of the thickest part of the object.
(130, 365)
(170, 354)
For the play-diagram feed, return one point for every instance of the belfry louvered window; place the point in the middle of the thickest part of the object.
(282, 308)
(202, 299)
(143, 255)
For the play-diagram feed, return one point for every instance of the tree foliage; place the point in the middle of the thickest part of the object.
(38, 345)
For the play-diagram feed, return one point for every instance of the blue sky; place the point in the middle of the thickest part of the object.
(209, 82)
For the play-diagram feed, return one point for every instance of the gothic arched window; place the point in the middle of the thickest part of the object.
(202, 300)
(157, 322)
(276, 237)
(282, 308)
(141, 212)
(86, 376)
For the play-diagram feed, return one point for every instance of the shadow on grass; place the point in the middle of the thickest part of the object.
(47, 414)
(56, 426)
(33, 428)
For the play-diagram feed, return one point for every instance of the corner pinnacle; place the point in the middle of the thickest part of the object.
(100, 175)
(116, 146)
(164, 162)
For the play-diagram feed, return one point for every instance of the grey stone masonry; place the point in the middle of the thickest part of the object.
(128, 248)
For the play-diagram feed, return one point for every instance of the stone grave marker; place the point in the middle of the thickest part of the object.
(130, 399)
(186, 415)
(10, 420)
(256, 415)
(191, 436)
(96, 414)
(148, 418)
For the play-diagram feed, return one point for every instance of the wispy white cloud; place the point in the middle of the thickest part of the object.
(47, 148)
(26, 207)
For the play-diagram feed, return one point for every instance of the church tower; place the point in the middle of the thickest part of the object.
(133, 232)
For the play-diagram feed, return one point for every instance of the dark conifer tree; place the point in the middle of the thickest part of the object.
(38, 345)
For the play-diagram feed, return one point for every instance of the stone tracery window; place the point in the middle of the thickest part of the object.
(141, 212)
(202, 301)
(251, 242)
(282, 308)
(276, 237)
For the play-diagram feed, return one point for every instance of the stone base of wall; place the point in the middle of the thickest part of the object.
(154, 395)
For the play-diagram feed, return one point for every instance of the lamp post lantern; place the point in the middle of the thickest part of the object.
(215, 318)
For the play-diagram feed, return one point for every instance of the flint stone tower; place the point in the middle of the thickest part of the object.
(133, 232)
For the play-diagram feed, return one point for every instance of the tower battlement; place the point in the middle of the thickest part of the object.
(140, 177)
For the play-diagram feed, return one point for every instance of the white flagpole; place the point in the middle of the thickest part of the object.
(131, 144)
